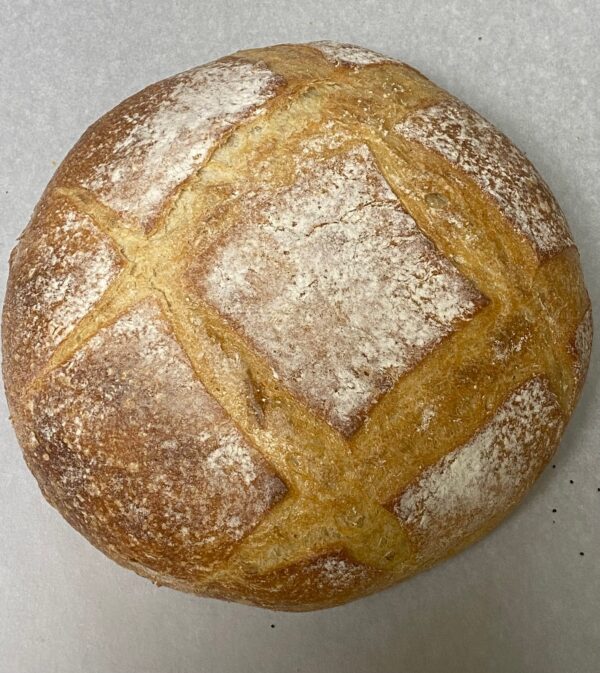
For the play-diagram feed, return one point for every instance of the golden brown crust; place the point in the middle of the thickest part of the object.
(180, 496)
(484, 477)
(328, 578)
(58, 272)
(137, 155)
(193, 387)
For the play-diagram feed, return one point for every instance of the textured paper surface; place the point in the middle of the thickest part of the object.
(524, 599)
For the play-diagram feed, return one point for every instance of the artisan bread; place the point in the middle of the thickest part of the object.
(292, 326)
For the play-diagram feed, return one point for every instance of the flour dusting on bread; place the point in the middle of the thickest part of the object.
(349, 54)
(336, 573)
(190, 478)
(335, 284)
(62, 293)
(485, 476)
(163, 147)
(478, 149)
(64, 269)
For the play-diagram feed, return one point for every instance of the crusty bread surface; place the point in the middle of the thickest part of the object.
(292, 326)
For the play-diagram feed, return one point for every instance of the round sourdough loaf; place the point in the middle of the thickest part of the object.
(292, 326)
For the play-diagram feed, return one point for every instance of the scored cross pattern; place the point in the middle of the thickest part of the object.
(357, 476)
(149, 272)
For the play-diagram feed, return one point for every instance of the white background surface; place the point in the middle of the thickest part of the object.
(524, 599)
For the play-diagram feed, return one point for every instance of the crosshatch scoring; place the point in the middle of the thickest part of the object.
(195, 350)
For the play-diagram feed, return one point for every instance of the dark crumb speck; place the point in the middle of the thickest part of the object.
(479, 38)
(571, 481)
(580, 553)
(553, 521)
(272, 626)
(554, 467)
(554, 510)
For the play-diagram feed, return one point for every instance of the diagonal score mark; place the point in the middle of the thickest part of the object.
(498, 350)
(129, 241)
(153, 271)
(124, 292)
(147, 271)
(439, 409)
(311, 456)
(490, 253)
(303, 526)
(127, 289)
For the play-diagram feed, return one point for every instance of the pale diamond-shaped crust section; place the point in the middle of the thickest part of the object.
(135, 156)
(61, 268)
(341, 53)
(334, 283)
(505, 175)
(186, 490)
(483, 478)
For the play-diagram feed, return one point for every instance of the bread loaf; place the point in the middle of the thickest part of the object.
(292, 326)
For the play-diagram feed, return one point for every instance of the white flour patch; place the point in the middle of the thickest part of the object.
(232, 456)
(69, 266)
(68, 284)
(485, 476)
(189, 478)
(583, 346)
(488, 157)
(337, 574)
(349, 54)
(161, 149)
(336, 285)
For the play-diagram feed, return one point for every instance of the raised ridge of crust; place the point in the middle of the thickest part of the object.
(484, 477)
(186, 491)
(503, 173)
(335, 284)
(136, 156)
